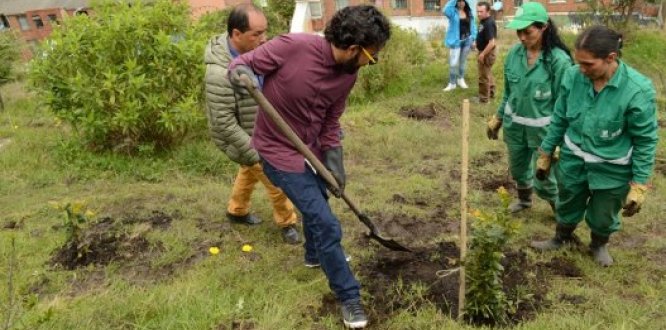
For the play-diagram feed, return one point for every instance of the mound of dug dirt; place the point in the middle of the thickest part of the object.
(109, 240)
(399, 281)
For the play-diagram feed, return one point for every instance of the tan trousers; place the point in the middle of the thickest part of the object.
(486, 81)
(239, 203)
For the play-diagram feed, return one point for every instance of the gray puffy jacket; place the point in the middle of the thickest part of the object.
(230, 115)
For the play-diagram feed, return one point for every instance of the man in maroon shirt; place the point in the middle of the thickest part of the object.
(308, 78)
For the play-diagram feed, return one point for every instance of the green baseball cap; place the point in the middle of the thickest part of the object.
(527, 14)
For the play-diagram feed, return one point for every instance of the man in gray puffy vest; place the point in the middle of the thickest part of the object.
(231, 120)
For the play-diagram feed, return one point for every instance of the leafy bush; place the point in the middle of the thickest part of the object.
(215, 22)
(9, 53)
(399, 66)
(491, 233)
(127, 78)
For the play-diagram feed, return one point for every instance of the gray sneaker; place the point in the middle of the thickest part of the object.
(353, 314)
(290, 235)
(315, 264)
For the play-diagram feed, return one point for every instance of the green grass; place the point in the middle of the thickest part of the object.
(386, 154)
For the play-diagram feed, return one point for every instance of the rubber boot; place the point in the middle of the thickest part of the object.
(599, 248)
(524, 200)
(563, 235)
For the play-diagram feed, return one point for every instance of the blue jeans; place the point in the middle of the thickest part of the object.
(321, 228)
(458, 59)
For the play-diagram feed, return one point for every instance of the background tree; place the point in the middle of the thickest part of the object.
(9, 53)
(128, 78)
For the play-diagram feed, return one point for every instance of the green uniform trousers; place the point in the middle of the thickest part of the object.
(522, 165)
(600, 207)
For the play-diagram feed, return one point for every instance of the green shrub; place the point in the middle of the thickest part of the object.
(127, 78)
(215, 22)
(9, 53)
(491, 232)
(400, 64)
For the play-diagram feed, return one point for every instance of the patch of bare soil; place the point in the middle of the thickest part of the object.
(490, 181)
(561, 266)
(123, 241)
(425, 112)
(12, 225)
(488, 157)
(399, 281)
(104, 241)
(410, 230)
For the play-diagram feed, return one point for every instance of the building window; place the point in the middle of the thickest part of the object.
(38, 21)
(23, 22)
(399, 4)
(53, 19)
(3, 23)
(431, 5)
(339, 4)
(315, 9)
(517, 3)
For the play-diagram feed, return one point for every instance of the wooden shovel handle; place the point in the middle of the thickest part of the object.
(298, 144)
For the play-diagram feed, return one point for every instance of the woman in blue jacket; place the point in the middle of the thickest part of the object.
(459, 39)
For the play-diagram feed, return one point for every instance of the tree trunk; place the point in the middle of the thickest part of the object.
(2, 103)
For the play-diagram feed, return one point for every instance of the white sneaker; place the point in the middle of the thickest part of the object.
(449, 87)
(461, 83)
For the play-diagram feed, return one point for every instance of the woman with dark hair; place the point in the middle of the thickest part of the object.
(605, 120)
(533, 70)
(460, 36)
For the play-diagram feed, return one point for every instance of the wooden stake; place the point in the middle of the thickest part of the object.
(463, 205)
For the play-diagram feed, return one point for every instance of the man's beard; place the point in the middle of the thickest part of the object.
(350, 66)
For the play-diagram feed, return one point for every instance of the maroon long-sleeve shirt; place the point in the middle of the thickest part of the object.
(303, 83)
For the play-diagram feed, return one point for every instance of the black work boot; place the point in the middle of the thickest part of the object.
(290, 235)
(599, 248)
(248, 219)
(524, 200)
(563, 235)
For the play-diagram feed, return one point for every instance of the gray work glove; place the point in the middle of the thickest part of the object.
(235, 78)
(334, 163)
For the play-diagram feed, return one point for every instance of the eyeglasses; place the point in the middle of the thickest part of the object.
(373, 59)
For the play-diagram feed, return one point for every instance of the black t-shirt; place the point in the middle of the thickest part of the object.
(464, 28)
(487, 32)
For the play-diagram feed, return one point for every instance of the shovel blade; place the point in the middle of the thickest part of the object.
(389, 243)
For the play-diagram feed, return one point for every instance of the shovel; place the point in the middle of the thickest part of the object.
(318, 166)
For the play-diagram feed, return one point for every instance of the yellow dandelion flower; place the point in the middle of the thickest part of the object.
(89, 214)
(476, 213)
(247, 248)
(214, 250)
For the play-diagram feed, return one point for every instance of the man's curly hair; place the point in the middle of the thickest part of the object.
(358, 25)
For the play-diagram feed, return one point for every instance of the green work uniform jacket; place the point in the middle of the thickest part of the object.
(530, 94)
(609, 138)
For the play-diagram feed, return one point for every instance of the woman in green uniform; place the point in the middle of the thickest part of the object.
(532, 73)
(605, 121)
